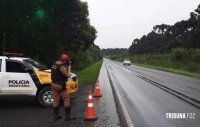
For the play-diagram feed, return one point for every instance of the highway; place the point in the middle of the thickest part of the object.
(155, 98)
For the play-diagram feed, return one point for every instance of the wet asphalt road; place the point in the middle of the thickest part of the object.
(26, 112)
(147, 104)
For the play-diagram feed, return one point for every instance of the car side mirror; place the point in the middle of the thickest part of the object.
(30, 71)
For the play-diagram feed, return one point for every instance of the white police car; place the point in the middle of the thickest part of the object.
(24, 76)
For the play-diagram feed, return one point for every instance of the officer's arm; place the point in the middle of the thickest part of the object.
(65, 71)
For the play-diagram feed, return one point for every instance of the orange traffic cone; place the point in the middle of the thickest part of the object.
(97, 91)
(90, 113)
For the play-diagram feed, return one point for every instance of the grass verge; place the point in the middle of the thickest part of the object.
(172, 70)
(90, 74)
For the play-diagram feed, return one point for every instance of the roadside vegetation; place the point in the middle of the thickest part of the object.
(89, 75)
(43, 30)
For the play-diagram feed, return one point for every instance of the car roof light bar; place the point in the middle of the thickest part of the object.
(12, 54)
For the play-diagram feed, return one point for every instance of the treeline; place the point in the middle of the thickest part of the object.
(43, 29)
(114, 51)
(164, 38)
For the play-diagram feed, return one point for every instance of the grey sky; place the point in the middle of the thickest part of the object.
(119, 22)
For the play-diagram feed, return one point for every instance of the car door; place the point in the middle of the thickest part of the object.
(1, 81)
(16, 80)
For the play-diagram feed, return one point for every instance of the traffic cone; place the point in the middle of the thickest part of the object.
(97, 91)
(90, 113)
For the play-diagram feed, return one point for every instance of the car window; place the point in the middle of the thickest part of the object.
(35, 64)
(0, 64)
(12, 66)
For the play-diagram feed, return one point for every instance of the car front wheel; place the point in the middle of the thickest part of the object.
(45, 97)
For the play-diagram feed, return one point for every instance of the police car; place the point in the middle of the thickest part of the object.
(24, 76)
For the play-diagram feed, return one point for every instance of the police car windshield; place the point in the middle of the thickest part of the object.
(35, 64)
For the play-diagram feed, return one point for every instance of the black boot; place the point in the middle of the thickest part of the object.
(55, 114)
(67, 114)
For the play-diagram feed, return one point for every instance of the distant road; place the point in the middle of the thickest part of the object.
(155, 98)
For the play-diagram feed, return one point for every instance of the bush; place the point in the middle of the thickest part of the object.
(180, 54)
(196, 56)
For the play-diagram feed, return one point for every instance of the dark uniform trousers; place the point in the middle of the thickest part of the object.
(59, 93)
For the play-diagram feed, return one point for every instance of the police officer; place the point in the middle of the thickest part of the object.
(59, 74)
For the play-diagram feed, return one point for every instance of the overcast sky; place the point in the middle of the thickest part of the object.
(119, 22)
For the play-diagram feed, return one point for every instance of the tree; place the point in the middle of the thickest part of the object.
(163, 38)
(44, 29)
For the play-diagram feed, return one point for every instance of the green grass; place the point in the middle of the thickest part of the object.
(89, 75)
(172, 70)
